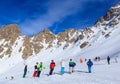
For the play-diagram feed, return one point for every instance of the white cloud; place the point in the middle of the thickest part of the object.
(56, 11)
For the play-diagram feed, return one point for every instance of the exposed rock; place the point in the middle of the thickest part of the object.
(10, 32)
(105, 28)
(37, 48)
(65, 36)
(49, 46)
(111, 13)
(27, 48)
(1, 49)
(71, 40)
(81, 36)
(84, 44)
(103, 33)
(101, 20)
(66, 45)
(8, 52)
(20, 49)
(2, 55)
(113, 23)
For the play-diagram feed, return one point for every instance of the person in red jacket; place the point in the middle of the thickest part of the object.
(52, 66)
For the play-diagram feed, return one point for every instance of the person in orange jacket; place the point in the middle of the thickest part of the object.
(81, 60)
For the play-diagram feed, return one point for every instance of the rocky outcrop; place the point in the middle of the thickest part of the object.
(112, 13)
(48, 36)
(84, 44)
(10, 32)
(27, 51)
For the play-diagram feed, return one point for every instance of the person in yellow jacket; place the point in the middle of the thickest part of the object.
(40, 68)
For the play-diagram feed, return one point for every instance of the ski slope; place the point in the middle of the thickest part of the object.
(102, 73)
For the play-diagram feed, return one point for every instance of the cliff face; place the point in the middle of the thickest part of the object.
(112, 17)
(10, 32)
(8, 35)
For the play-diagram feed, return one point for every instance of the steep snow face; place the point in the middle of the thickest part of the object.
(104, 46)
(7, 63)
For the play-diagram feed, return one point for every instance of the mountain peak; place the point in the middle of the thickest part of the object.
(110, 17)
(47, 31)
(11, 31)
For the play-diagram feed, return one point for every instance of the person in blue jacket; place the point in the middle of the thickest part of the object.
(89, 64)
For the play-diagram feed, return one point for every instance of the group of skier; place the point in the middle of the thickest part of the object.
(39, 66)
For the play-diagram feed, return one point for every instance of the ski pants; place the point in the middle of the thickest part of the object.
(71, 69)
(35, 73)
(38, 73)
(108, 61)
(89, 69)
(51, 71)
(25, 72)
(62, 70)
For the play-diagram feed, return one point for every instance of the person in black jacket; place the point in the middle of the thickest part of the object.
(25, 71)
(35, 70)
(89, 64)
(108, 59)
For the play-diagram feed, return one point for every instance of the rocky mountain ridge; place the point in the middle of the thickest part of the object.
(46, 39)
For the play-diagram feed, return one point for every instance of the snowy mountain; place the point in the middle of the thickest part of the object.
(101, 40)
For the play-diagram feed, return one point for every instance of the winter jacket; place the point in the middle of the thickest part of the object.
(81, 60)
(62, 63)
(25, 69)
(108, 58)
(35, 68)
(40, 67)
(89, 63)
(52, 65)
(72, 63)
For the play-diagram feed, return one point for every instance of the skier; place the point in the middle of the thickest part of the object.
(81, 60)
(108, 59)
(40, 68)
(116, 59)
(35, 70)
(72, 64)
(25, 71)
(85, 59)
(62, 66)
(52, 66)
(98, 58)
(89, 64)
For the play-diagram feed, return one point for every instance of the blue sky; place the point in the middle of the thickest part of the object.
(32, 16)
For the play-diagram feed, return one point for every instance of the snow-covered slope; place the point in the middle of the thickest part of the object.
(102, 73)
